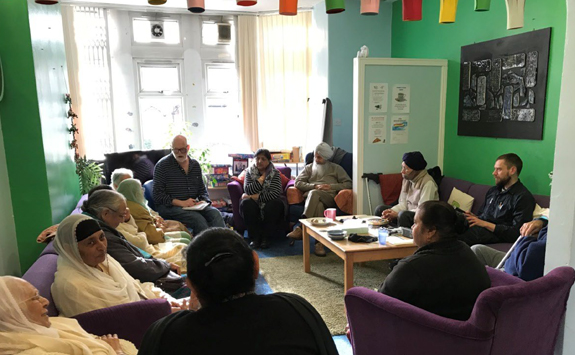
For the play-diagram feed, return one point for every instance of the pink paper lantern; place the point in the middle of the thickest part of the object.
(196, 6)
(369, 7)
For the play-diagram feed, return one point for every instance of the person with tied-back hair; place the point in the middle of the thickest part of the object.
(262, 205)
(109, 209)
(227, 317)
(443, 276)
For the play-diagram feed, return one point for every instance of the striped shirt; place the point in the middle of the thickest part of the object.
(171, 182)
(252, 186)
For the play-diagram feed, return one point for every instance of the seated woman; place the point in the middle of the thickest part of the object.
(443, 276)
(26, 328)
(146, 222)
(230, 317)
(262, 206)
(88, 278)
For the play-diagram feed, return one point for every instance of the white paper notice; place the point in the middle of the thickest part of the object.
(401, 98)
(378, 97)
(399, 130)
(377, 129)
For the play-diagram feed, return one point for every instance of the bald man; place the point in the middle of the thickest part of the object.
(178, 183)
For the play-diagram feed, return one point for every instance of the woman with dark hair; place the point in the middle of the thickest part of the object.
(227, 317)
(262, 206)
(443, 276)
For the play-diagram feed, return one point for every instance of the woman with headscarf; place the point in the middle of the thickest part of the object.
(88, 278)
(25, 327)
(145, 220)
(262, 206)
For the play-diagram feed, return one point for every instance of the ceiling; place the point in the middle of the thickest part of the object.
(212, 6)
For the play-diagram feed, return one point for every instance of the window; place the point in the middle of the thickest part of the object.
(160, 102)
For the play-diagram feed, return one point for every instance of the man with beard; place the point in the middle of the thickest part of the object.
(178, 183)
(508, 205)
(417, 187)
(320, 182)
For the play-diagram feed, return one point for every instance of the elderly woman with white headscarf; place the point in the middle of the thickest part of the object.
(88, 278)
(25, 327)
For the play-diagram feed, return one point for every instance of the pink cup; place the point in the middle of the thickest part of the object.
(329, 213)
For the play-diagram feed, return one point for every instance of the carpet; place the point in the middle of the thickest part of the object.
(323, 287)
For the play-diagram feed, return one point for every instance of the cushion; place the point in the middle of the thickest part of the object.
(540, 211)
(390, 185)
(344, 200)
(284, 179)
(461, 200)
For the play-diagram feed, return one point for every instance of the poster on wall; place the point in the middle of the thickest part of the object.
(502, 86)
(399, 130)
(377, 129)
(377, 97)
(401, 98)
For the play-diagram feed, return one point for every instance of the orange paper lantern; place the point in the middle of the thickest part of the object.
(246, 2)
(288, 7)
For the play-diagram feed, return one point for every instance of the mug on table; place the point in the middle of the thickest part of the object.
(329, 213)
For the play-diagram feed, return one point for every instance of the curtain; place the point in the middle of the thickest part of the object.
(248, 76)
(284, 77)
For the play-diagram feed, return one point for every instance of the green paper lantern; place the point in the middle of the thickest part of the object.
(334, 6)
(482, 5)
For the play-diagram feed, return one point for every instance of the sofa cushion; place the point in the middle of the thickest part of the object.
(460, 200)
(41, 276)
(447, 185)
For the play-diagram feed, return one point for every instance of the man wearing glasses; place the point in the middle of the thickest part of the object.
(178, 185)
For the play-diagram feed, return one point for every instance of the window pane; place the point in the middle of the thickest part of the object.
(143, 31)
(209, 33)
(221, 79)
(223, 122)
(158, 117)
(159, 79)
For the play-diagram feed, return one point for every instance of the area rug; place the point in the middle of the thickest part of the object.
(323, 287)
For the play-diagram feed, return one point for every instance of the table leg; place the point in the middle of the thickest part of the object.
(348, 272)
(305, 241)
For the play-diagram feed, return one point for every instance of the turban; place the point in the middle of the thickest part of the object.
(414, 160)
(324, 150)
(86, 228)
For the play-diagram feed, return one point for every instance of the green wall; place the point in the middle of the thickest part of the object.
(472, 158)
(347, 32)
(40, 170)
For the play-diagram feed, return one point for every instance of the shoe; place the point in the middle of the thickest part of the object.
(265, 244)
(255, 245)
(296, 234)
(319, 250)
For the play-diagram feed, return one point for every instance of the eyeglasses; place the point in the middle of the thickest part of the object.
(119, 214)
(180, 150)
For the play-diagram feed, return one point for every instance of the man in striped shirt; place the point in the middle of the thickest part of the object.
(178, 183)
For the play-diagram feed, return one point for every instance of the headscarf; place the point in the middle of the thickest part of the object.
(13, 312)
(132, 191)
(414, 160)
(324, 150)
(79, 288)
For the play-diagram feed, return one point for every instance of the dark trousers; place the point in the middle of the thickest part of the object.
(260, 229)
(479, 235)
(404, 218)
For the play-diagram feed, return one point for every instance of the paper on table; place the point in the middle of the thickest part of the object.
(198, 206)
(399, 240)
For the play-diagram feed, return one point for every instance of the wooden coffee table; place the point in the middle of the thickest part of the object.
(350, 252)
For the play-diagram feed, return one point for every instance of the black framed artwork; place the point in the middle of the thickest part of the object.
(502, 86)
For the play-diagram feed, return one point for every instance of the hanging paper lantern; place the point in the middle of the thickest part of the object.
(288, 7)
(47, 2)
(369, 7)
(196, 6)
(482, 5)
(515, 13)
(246, 2)
(447, 11)
(334, 6)
(411, 10)
(157, 2)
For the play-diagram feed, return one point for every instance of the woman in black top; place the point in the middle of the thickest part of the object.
(228, 317)
(262, 206)
(443, 276)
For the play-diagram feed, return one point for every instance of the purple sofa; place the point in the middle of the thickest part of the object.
(478, 192)
(235, 189)
(511, 317)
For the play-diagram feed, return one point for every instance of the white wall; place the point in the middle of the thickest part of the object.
(560, 244)
(9, 260)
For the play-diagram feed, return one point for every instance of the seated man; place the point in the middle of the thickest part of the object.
(178, 183)
(527, 258)
(507, 206)
(320, 182)
(120, 175)
(417, 187)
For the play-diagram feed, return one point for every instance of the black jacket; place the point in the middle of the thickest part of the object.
(508, 210)
(139, 267)
(444, 278)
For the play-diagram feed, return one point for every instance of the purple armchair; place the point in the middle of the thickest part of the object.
(236, 190)
(511, 317)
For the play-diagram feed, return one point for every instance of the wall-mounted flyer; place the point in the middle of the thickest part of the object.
(378, 97)
(399, 130)
(401, 98)
(377, 129)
